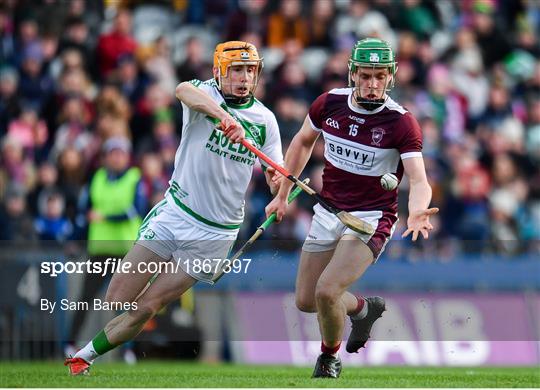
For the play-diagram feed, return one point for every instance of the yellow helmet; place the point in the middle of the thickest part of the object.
(236, 53)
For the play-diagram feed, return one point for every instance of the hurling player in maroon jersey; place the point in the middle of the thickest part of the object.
(366, 135)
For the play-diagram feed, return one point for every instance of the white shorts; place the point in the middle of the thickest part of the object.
(326, 230)
(170, 234)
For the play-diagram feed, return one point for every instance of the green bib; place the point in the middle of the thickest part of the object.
(110, 198)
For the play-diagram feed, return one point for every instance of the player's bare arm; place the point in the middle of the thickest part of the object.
(273, 179)
(419, 199)
(200, 101)
(296, 159)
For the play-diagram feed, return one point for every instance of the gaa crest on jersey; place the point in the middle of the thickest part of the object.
(377, 135)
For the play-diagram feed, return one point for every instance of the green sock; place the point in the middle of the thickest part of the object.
(101, 344)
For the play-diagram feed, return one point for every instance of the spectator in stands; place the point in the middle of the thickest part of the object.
(499, 129)
(468, 74)
(72, 175)
(131, 80)
(47, 181)
(30, 131)
(509, 193)
(35, 84)
(195, 66)
(158, 64)
(492, 40)
(410, 62)
(116, 43)
(76, 37)
(73, 131)
(49, 45)
(51, 223)
(533, 130)
(471, 187)
(16, 223)
(442, 103)
(321, 24)
(154, 179)
(72, 81)
(290, 113)
(7, 41)
(163, 134)
(249, 17)
(287, 23)
(292, 79)
(28, 34)
(360, 21)
(150, 107)
(418, 18)
(16, 167)
(10, 104)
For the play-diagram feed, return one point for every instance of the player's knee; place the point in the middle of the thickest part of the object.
(305, 304)
(111, 295)
(114, 294)
(145, 312)
(326, 294)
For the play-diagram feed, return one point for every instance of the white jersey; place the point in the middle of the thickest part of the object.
(211, 174)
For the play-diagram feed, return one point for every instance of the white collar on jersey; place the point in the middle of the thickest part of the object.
(361, 110)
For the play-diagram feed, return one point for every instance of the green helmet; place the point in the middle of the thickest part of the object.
(375, 53)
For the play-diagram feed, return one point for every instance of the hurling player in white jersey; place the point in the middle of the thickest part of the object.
(366, 135)
(204, 205)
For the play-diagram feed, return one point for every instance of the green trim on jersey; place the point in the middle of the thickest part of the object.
(195, 82)
(179, 190)
(198, 217)
(153, 213)
(255, 131)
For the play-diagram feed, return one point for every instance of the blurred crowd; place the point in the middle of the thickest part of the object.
(74, 74)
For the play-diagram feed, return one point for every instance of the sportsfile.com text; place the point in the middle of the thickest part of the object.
(114, 265)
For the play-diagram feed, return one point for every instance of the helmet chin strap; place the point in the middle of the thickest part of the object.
(367, 104)
(236, 99)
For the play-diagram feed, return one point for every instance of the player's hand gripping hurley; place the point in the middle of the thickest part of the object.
(260, 230)
(346, 218)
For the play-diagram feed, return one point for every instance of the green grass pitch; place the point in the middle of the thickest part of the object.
(180, 374)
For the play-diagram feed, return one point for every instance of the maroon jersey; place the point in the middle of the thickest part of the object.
(360, 147)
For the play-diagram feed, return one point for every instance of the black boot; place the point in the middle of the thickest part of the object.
(327, 366)
(361, 328)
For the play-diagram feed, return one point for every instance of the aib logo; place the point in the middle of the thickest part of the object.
(332, 123)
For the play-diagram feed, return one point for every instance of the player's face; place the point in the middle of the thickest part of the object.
(240, 80)
(117, 160)
(371, 82)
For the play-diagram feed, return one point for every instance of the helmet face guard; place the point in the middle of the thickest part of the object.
(376, 54)
(236, 53)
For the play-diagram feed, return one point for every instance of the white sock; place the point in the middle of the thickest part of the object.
(362, 313)
(87, 353)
